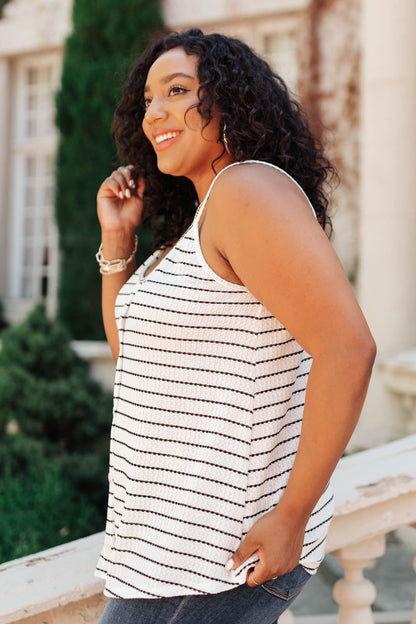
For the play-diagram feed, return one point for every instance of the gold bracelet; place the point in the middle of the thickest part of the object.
(107, 267)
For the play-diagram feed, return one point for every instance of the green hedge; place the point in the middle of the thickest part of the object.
(39, 510)
(54, 439)
(106, 37)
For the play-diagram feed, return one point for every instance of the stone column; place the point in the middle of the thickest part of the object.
(387, 243)
(354, 593)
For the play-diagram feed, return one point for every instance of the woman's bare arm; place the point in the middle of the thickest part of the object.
(114, 247)
(275, 246)
(119, 208)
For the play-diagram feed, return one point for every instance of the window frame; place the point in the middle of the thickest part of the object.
(23, 146)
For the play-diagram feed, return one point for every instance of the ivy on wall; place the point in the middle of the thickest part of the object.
(106, 37)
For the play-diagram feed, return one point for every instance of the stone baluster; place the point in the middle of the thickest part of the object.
(354, 593)
(287, 618)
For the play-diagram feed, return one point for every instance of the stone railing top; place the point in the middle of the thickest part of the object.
(405, 360)
(49, 579)
(399, 372)
(92, 349)
(369, 477)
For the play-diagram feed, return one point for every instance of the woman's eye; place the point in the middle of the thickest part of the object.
(175, 89)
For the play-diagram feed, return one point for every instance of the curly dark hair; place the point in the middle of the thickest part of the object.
(263, 122)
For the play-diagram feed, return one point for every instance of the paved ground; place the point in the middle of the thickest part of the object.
(392, 575)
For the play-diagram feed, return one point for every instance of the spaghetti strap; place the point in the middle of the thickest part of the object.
(244, 162)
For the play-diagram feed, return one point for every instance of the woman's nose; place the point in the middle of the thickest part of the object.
(154, 111)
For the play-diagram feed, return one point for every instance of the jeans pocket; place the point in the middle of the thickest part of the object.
(288, 585)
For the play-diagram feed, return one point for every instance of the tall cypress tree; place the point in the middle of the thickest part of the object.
(106, 37)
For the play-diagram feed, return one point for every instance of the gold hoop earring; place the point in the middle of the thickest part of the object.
(224, 140)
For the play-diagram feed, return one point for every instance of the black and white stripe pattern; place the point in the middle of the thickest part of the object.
(208, 402)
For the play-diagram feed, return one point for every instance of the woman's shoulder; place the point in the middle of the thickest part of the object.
(256, 183)
(255, 169)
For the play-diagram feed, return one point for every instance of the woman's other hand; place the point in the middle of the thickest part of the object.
(277, 539)
(120, 202)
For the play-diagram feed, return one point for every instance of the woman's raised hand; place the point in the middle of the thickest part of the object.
(120, 209)
(120, 202)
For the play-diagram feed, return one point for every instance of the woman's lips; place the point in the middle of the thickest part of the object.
(165, 140)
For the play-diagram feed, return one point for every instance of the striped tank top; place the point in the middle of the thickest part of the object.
(208, 402)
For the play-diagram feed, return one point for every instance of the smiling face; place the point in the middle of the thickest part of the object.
(183, 147)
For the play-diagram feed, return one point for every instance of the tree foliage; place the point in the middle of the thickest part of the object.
(54, 432)
(106, 37)
(46, 509)
(2, 5)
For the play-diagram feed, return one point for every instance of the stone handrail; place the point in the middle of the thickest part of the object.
(375, 493)
(399, 376)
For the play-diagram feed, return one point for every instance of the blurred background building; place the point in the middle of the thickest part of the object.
(352, 63)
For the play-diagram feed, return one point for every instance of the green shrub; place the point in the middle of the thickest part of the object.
(39, 510)
(54, 432)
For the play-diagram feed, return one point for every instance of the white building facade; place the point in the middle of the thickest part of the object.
(353, 65)
(32, 34)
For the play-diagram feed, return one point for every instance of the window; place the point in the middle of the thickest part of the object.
(281, 50)
(277, 40)
(38, 109)
(34, 262)
(38, 232)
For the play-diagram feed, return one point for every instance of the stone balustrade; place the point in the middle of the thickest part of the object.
(375, 494)
(98, 355)
(399, 377)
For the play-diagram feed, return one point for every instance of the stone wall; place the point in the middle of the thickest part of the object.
(334, 98)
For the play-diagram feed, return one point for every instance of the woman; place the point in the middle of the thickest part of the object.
(242, 356)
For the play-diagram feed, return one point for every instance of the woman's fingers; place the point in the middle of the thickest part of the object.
(254, 578)
(124, 178)
(259, 574)
(127, 173)
(114, 186)
(120, 177)
(119, 203)
(122, 184)
(130, 179)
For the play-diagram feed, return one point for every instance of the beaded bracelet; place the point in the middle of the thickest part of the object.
(107, 267)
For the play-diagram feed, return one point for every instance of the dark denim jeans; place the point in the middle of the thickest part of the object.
(242, 605)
